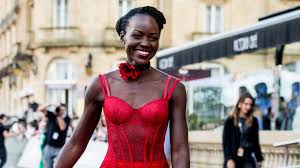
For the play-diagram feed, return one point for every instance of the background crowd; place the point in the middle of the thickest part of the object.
(43, 121)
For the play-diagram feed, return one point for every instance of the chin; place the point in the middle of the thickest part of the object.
(142, 61)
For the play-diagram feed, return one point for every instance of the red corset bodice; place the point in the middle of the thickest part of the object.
(135, 135)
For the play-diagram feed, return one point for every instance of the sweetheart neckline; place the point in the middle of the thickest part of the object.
(139, 108)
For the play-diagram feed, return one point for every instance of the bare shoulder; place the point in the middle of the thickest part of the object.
(94, 92)
(113, 76)
(179, 89)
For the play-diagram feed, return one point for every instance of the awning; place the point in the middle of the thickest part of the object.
(272, 32)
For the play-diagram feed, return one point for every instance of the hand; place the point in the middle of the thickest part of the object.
(230, 164)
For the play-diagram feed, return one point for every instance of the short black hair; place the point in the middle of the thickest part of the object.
(57, 109)
(2, 116)
(146, 10)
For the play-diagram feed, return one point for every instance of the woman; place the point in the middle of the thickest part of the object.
(138, 101)
(240, 136)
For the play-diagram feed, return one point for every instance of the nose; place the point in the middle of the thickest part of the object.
(145, 42)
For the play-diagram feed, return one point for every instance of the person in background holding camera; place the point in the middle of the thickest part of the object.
(56, 132)
(240, 136)
(3, 136)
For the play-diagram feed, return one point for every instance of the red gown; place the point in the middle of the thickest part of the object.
(135, 136)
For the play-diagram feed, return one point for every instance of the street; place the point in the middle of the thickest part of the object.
(14, 149)
(26, 154)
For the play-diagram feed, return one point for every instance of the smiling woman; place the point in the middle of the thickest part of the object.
(138, 102)
(240, 136)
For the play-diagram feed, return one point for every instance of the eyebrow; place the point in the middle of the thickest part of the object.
(143, 32)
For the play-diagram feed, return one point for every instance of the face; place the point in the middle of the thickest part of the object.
(61, 111)
(4, 120)
(246, 106)
(141, 39)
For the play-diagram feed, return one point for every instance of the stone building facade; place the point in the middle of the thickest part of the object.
(51, 49)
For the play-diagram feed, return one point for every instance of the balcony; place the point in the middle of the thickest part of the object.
(19, 62)
(59, 37)
(214, 1)
(199, 35)
(111, 39)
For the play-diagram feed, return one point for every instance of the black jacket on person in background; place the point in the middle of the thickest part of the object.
(232, 141)
(52, 128)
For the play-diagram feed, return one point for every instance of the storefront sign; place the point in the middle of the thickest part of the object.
(245, 43)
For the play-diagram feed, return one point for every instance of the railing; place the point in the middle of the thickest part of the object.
(290, 155)
(57, 37)
(206, 149)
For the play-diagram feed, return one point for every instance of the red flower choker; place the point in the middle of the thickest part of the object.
(130, 72)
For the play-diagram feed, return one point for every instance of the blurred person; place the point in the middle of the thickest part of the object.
(243, 90)
(3, 136)
(32, 112)
(259, 116)
(267, 119)
(293, 104)
(296, 121)
(19, 129)
(264, 103)
(137, 100)
(241, 136)
(42, 132)
(281, 119)
(56, 132)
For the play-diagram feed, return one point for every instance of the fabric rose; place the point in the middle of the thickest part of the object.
(128, 72)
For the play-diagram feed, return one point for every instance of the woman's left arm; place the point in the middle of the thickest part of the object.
(179, 133)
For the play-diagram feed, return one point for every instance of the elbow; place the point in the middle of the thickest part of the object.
(80, 142)
(75, 145)
(180, 156)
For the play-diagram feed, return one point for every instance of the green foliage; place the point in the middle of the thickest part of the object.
(194, 122)
(202, 123)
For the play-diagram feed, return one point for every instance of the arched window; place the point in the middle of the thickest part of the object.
(61, 69)
(60, 83)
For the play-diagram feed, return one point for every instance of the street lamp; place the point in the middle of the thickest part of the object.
(88, 65)
(16, 70)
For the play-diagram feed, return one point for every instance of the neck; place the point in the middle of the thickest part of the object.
(141, 67)
(242, 115)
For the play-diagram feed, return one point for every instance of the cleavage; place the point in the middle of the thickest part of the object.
(119, 111)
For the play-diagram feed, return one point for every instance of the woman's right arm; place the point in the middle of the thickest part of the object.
(227, 133)
(74, 148)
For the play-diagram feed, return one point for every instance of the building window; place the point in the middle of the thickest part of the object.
(61, 69)
(213, 18)
(124, 7)
(60, 13)
(60, 83)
